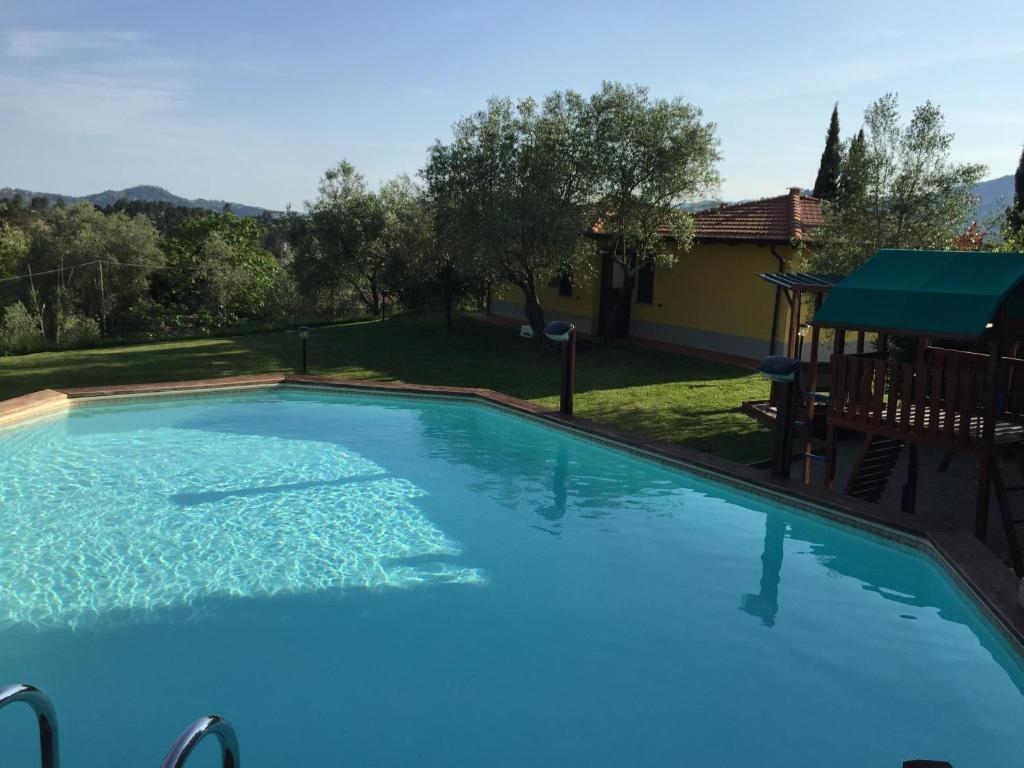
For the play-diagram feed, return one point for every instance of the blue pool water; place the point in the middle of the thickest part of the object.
(361, 581)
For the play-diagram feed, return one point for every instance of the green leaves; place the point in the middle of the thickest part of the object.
(650, 157)
(898, 189)
(220, 273)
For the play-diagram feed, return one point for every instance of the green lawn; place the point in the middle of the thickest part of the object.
(682, 399)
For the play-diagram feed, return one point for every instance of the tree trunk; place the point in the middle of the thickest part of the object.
(534, 311)
(621, 303)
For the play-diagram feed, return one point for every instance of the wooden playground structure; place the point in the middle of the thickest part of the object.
(963, 393)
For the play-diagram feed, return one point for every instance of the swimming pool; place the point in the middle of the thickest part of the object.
(367, 580)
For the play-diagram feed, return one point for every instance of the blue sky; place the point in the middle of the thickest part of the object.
(252, 101)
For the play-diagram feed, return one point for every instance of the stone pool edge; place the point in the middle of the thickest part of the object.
(972, 565)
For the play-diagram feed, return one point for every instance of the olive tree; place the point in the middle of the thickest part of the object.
(341, 251)
(650, 156)
(512, 188)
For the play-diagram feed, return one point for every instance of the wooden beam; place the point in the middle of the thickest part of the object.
(830, 452)
(988, 389)
(839, 343)
(794, 323)
(909, 501)
(1009, 527)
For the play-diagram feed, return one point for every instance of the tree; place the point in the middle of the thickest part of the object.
(898, 189)
(1015, 213)
(650, 155)
(220, 272)
(826, 185)
(853, 170)
(14, 245)
(450, 266)
(516, 184)
(101, 266)
(342, 247)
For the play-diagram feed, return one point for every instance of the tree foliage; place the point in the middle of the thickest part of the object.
(343, 249)
(513, 185)
(1015, 213)
(219, 273)
(649, 157)
(826, 185)
(898, 189)
(90, 264)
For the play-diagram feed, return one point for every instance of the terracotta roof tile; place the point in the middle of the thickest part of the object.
(782, 219)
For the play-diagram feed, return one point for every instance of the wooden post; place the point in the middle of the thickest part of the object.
(794, 323)
(830, 452)
(922, 348)
(103, 304)
(839, 345)
(860, 342)
(1009, 526)
(988, 434)
(812, 387)
(909, 501)
(568, 373)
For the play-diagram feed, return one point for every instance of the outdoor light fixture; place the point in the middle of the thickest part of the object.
(785, 372)
(304, 335)
(565, 334)
(559, 330)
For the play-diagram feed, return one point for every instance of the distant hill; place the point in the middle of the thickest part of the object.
(996, 195)
(144, 193)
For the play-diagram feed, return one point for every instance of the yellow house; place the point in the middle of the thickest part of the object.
(712, 301)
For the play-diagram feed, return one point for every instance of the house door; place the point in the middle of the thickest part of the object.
(613, 279)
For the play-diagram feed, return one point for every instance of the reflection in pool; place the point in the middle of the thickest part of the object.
(450, 585)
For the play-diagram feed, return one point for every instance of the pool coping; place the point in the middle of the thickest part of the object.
(967, 560)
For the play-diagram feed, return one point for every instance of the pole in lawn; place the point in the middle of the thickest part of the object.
(565, 334)
(304, 335)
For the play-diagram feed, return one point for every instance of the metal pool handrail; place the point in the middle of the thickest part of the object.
(45, 714)
(196, 732)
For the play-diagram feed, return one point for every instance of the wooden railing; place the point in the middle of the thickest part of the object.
(943, 401)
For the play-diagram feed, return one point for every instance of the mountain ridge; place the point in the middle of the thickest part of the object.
(149, 193)
(994, 196)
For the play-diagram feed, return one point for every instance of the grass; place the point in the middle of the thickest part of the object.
(681, 399)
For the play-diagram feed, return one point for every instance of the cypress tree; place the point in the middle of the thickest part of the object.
(826, 186)
(851, 181)
(1015, 213)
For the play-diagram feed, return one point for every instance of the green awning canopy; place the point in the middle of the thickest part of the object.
(928, 293)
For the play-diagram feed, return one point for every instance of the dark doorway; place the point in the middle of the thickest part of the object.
(612, 282)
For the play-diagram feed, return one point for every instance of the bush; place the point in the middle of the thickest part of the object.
(79, 331)
(20, 332)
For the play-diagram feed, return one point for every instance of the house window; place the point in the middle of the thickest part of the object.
(645, 285)
(565, 285)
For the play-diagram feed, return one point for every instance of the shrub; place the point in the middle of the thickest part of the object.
(20, 331)
(79, 331)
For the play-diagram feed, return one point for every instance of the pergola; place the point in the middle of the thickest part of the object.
(960, 400)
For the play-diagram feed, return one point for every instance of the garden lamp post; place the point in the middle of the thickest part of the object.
(565, 333)
(785, 373)
(304, 335)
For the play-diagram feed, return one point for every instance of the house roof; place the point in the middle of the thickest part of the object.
(926, 293)
(776, 220)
